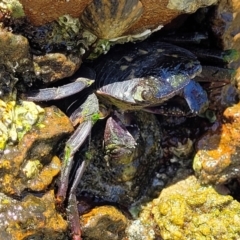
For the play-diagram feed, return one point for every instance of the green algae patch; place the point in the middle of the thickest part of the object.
(16, 119)
(14, 7)
(188, 210)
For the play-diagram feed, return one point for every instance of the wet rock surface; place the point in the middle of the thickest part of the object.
(16, 119)
(105, 222)
(188, 210)
(54, 66)
(15, 60)
(217, 158)
(32, 165)
(225, 26)
(32, 217)
(33, 158)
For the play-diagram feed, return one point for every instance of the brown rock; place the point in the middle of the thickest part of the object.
(55, 66)
(13, 48)
(31, 164)
(105, 222)
(162, 12)
(15, 60)
(31, 218)
(225, 25)
(44, 11)
(217, 158)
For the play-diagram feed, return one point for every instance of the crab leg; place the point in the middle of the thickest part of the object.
(73, 215)
(73, 218)
(86, 116)
(72, 145)
(59, 92)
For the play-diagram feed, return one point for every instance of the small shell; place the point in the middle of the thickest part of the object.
(109, 19)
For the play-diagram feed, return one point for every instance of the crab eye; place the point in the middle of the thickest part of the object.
(146, 95)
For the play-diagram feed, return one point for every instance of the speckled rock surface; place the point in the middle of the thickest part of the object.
(13, 48)
(54, 66)
(51, 10)
(32, 159)
(105, 222)
(217, 159)
(158, 12)
(32, 218)
(187, 210)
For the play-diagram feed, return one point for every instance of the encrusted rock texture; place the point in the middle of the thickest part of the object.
(33, 158)
(217, 159)
(189, 209)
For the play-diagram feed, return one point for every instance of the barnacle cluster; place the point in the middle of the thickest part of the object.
(14, 7)
(17, 119)
(61, 35)
(65, 30)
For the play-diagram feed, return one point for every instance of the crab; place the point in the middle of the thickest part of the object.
(134, 77)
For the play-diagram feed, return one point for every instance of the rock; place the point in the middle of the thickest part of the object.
(188, 210)
(105, 222)
(16, 119)
(55, 66)
(225, 23)
(15, 60)
(162, 12)
(225, 26)
(13, 48)
(155, 13)
(30, 164)
(31, 218)
(12, 7)
(44, 11)
(217, 158)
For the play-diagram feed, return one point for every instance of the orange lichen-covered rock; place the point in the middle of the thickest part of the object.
(217, 158)
(105, 222)
(31, 218)
(30, 164)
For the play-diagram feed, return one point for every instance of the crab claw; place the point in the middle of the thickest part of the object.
(196, 97)
(59, 92)
(120, 148)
